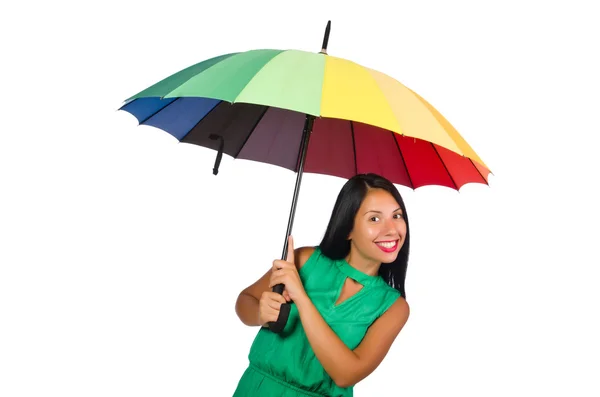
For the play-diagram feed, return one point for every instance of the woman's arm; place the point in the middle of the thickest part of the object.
(247, 303)
(347, 367)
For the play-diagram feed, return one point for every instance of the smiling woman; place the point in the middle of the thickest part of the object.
(349, 302)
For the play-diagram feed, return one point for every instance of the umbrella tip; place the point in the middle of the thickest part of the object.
(326, 38)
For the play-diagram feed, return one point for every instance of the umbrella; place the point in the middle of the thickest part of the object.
(309, 112)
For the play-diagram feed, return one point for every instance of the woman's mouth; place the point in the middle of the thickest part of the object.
(387, 246)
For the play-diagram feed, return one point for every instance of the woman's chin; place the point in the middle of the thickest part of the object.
(386, 257)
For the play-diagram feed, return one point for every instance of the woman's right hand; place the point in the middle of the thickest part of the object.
(269, 305)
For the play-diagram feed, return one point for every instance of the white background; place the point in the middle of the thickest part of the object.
(121, 255)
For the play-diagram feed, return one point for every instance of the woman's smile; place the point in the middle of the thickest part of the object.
(387, 246)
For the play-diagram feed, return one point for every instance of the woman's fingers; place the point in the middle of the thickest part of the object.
(286, 295)
(276, 303)
(279, 264)
(270, 305)
(278, 277)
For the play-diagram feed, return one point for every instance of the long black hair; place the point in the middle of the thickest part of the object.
(335, 243)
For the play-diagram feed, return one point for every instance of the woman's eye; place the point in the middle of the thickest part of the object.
(374, 219)
(398, 216)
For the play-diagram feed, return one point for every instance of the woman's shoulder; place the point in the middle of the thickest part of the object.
(303, 254)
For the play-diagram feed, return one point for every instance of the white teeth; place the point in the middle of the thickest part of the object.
(387, 245)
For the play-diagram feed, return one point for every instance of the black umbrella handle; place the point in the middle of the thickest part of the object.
(279, 289)
(284, 313)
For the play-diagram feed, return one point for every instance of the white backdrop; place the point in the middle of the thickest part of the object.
(121, 255)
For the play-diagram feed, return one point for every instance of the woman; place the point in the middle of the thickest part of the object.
(348, 299)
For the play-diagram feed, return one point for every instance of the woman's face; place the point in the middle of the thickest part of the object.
(379, 227)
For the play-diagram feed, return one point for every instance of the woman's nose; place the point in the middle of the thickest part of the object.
(390, 227)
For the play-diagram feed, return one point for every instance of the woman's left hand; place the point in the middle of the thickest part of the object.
(286, 273)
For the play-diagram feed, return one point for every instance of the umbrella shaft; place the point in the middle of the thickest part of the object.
(303, 150)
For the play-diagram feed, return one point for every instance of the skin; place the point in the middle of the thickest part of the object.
(378, 219)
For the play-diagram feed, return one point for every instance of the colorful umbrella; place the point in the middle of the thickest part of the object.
(309, 112)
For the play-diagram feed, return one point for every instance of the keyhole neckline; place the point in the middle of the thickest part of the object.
(357, 275)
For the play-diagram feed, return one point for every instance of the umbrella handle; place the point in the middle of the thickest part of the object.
(279, 288)
(284, 312)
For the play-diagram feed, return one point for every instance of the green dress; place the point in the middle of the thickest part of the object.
(284, 365)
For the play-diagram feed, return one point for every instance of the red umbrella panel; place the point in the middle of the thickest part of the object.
(344, 148)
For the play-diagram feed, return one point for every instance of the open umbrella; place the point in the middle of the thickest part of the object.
(309, 112)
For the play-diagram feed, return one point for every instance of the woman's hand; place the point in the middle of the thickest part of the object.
(286, 273)
(269, 306)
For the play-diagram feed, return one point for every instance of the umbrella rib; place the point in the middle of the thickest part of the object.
(444, 164)
(202, 119)
(433, 111)
(354, 148)
(252, 130)
(412, 185)
(477, 169)
(247, 83)
(161, 109)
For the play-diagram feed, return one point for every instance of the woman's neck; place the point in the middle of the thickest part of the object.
(362, 263)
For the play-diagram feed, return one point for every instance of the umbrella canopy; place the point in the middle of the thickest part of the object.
(263, 84)
(309, 112)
